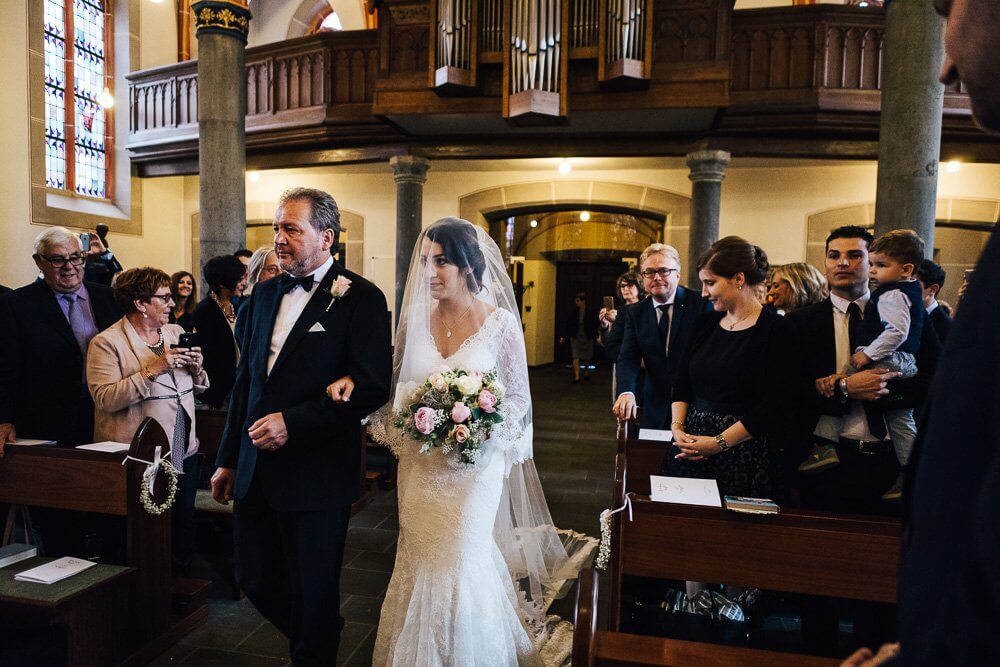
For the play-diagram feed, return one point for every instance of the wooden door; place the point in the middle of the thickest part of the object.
(596, 280)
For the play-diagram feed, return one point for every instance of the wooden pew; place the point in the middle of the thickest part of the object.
(795, 551)
(87, 481)
(594, 648)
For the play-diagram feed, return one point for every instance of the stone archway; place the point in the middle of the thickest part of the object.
(538, 315)
(961, 230)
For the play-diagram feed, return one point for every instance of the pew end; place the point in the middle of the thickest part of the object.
(601, 648)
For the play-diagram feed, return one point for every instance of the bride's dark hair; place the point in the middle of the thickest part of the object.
(460, 244)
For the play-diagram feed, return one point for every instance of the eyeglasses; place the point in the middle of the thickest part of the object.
(165, 298)
(58, 261)
(663, 273)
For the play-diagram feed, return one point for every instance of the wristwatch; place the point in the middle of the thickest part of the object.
(843, 388)
(721, 442)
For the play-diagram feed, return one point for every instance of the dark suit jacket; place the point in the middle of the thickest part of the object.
(41, 367)
(641, 343)
(613, 343)
(950, 582)
(819, 359)
(319, 465)
(5, 290)
(942, 323)
(219, 350)
(591, 324)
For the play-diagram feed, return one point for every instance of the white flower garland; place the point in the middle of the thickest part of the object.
(146, 498)
(604, 550)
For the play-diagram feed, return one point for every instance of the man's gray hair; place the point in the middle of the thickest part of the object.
(667, 251)
(325, 213)
(54, 236)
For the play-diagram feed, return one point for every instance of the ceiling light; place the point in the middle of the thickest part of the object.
(953, 166)
(106, 99)
(585, 216)
(564, 167)
(253, 176)
(533, 223)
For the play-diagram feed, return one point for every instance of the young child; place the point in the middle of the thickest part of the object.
(887, 337)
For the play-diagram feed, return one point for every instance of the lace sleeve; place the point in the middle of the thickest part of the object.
(512, 366)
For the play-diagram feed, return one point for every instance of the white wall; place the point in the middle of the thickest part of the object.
(16, 267)
(272, 18)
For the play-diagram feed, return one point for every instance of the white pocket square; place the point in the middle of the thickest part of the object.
(316, 328)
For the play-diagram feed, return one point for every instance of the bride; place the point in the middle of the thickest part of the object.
(478, 560)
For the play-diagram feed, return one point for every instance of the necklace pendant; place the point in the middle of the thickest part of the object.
(449, 333)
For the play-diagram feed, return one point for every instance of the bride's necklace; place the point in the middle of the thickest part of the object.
(742, 319)
(447, 327)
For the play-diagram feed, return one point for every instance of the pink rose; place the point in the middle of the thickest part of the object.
(461, 433)
(460, 412)
(423, 419)
(487, 401)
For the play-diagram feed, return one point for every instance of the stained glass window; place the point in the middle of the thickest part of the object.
(76, 126)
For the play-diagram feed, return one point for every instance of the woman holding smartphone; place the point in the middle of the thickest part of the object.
(136, 369)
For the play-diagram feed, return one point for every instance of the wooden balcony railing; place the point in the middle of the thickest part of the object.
(815, 56)
(322, 79)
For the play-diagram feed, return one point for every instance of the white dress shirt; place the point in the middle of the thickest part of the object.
(855, 424)
(292, 305)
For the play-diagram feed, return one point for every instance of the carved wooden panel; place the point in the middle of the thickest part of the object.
(687, 30)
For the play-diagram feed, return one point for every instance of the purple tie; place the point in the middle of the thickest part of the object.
(83, 327)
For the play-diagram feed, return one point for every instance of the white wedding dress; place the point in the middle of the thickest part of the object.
(454, 599)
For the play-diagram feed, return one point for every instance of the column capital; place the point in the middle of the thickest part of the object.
(707, 165)
(225, 17)
(409, 168)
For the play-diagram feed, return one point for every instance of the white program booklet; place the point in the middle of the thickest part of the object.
(108, 446)
(655, 434)
(55, 571)
(685, 491)
(30, 442)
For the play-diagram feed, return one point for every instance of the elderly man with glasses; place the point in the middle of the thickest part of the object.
(47, 327)
(656, 331)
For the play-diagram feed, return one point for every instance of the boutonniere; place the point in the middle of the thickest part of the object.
(338, 289)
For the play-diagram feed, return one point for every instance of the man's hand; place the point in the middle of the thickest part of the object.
(269, 432)
(863, 657)
(870, 384)
(7, 434)
(222, 485)
(96, 245)
(340, 391)
(827, 386)
(625, 407)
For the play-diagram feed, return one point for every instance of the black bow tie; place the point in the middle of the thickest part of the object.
(288, 283)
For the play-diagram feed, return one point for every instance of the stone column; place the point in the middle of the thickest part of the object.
(708, 168)
(222, 27)
(410, 174)
(909, 143)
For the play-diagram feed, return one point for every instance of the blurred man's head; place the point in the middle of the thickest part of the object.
(972, 55)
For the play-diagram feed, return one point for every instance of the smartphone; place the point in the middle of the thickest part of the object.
(609, 302)
(187, 340)
(85, 241)
(968, 274)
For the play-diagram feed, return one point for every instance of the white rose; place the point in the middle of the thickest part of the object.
(469, 384)
(439, 382)
(498, 389)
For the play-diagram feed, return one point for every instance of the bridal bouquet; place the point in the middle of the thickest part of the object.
(453, 409)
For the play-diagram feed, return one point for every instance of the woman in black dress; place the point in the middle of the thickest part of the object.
(733, 388)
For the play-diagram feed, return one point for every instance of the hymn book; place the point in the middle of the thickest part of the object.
(13, 553)
(751, 505)
(57, 570)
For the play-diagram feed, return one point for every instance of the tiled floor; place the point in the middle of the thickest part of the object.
(574, 454)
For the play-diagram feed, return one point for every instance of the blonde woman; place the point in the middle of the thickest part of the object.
(796, 285)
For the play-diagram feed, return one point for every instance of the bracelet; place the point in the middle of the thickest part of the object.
(681, 423)
(149, 375)
(721, 442)
(843, 388)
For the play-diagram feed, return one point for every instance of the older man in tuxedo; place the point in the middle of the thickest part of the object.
(289, 456)
(656, 331)
(46, 329)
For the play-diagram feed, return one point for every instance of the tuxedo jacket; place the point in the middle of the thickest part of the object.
(218, 347)
(941, 322)
(4, 290)
(641, 344)
(41, 366)
(819, 359)
(318, 466)
(949, 581)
